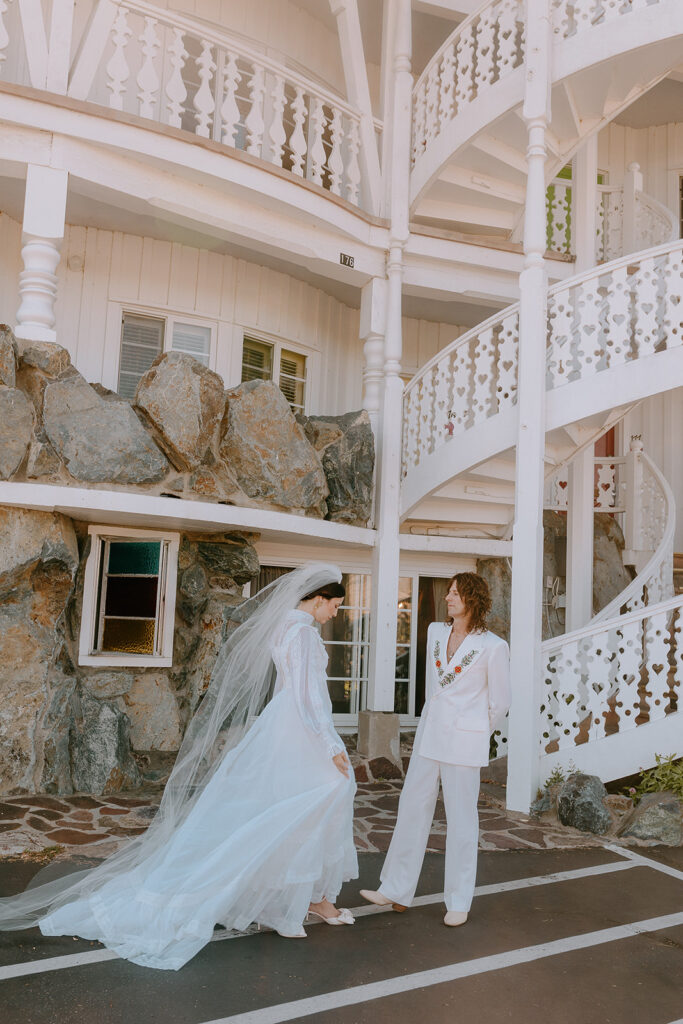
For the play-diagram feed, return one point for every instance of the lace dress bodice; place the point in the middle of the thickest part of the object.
(301, 662)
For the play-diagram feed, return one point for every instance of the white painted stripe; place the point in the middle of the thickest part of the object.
(647, 862)
(452, 972)
(59, 963)
(515, 883)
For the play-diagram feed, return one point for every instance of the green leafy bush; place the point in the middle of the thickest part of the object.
(667, 775)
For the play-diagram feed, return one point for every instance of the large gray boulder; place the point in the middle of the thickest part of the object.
(184, 402)
(101, 756)
(98, 440)
(16, 427)
(8, 357)
(38, 564)
(228, 561)
(610, 576)
(48, 356)
(152, 711)
(657, 817)
(347, 447)
(267, 451)
(580, 804)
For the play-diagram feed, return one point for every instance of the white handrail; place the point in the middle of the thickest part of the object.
(615, 622)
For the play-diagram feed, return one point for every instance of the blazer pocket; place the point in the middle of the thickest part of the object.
(472, 724)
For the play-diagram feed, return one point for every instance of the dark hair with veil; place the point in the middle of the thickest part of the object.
(239, 689)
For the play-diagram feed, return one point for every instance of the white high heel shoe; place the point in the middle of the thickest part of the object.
(293, 935)
(343, 917)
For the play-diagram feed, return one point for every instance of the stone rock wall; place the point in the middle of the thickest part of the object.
(183, 436)
(609, 575)
(65, 727)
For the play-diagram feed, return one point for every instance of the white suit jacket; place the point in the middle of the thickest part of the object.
(466, 698)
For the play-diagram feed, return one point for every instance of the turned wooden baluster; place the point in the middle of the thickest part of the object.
(353, 173)
(276, 132)
(117, 69)
(254, 122)
(297, 140)
(230, 112)
(175, 87)
(316, 149)
(148, 79)
(336, 162)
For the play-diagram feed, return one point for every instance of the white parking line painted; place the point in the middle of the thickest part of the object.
(649, 862)
(96, 956)
(283, 1012)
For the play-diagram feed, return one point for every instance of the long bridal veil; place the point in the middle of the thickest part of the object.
(240, 687)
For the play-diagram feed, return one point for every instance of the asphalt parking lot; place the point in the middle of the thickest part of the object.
(585, 936)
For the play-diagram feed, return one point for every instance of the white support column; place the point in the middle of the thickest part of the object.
(580, 518)
(42, 234)
(584, 203)
(358, 93)
(580, 513)
(633, 183)
(382, 668)
(527, 543)
(372, 326)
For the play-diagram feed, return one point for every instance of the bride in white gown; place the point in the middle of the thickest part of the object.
(256, 821)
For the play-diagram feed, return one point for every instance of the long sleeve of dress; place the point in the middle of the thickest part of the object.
(304, 667)
(499, 684)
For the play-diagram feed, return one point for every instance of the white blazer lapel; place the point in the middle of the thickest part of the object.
(463, 659)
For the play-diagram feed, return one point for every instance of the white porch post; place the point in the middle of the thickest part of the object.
(42, 234)
(633, 183)
(527, 543)
(379, 734)
(372, 327)
(580, 514)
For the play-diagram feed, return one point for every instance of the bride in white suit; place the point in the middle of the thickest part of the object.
(256, 820)
(467, 694)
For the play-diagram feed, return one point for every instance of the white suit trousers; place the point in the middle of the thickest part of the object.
(403, 862)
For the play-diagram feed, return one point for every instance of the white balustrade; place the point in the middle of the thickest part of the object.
(609, 679)
(483, 49)
(573, 17)
(609, 492)
(596, 322)
(654, 224)
(165, 67)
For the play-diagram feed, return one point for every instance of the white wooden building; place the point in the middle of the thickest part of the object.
(462, 216)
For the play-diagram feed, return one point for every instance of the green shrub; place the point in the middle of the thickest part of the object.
(667, 775)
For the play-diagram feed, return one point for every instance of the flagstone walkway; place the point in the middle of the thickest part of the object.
(98, 825)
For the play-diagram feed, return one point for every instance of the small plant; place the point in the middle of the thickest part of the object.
(667, 775)
(556, 777)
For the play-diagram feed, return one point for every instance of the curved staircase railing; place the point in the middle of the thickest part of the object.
(612, 315)
(481, 51)
(604, 683)
(654, 508)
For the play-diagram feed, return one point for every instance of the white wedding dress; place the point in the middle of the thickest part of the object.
(271, 832)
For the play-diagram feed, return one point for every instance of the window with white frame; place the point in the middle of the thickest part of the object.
(263, 360)
(144, 337)
(129, 597)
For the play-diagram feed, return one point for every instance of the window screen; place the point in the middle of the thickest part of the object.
(142, 340)
(193, 339)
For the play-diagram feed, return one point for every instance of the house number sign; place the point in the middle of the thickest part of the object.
(346, 261)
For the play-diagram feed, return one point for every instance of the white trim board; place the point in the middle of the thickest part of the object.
(132, 509)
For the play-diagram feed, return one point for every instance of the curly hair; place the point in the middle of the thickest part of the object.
(474, 591)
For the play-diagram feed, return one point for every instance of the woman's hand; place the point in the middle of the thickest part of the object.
(341, 761)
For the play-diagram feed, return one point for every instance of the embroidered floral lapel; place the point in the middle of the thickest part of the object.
(473, 649)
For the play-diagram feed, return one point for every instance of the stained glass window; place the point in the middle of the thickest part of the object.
(129, 596)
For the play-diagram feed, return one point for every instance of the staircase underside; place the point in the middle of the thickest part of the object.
(473, 175)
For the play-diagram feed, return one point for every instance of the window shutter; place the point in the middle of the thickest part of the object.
(142, 340)
(293, 379)
(192, 339)
(257, 360)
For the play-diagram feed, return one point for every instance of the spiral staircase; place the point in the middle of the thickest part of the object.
(610, 691)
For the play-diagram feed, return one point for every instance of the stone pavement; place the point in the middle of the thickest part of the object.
(65, 825)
